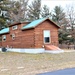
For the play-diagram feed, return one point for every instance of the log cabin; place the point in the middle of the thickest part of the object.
(35, 34)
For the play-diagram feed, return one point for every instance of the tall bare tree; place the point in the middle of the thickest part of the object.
(18, 10)
(70, 13)
(71, 17)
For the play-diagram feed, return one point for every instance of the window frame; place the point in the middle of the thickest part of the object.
(3, 37)
(47, 36)
(13, 38)
(14, 27)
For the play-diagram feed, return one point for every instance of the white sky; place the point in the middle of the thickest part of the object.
(52, 3)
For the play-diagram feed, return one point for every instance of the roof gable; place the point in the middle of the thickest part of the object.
(33, 24)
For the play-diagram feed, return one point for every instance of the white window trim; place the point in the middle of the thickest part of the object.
(3, 38)
(16, 27)
(49, 37)
(13, 38)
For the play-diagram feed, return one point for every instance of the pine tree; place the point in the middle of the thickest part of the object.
(45, 12)
(3, 10)
(58, 15)
(34, 10)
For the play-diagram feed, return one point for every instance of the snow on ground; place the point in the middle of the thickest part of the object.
(33, 51)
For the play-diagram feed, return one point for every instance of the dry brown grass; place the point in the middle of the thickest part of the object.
(31, 64)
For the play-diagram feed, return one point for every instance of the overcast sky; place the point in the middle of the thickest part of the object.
(52, 3)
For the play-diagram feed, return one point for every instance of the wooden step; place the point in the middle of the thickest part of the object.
(51, 47)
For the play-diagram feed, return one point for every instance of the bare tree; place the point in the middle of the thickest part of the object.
(70, 14)
(18, 10)
(71, 17)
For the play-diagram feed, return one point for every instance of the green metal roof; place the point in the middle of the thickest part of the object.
(34, 23)
(6, 30)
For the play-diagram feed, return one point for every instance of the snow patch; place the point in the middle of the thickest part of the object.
(54, 51)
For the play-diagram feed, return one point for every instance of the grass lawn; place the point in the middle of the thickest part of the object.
(32, 64)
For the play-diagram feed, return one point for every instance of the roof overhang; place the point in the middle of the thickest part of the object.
(28, 28)
(4, 31)
(54, 23)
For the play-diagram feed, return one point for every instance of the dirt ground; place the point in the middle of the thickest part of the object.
(32, 64)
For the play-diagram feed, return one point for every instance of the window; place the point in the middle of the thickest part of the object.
(13, 36)
(4, 37)
(46, 39)
(14, 27)
(46, 36)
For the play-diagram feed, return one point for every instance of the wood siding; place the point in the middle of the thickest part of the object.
(31, 38)
(39, 39)
(23, 39)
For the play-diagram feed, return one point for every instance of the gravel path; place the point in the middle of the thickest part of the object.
(32, 64)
